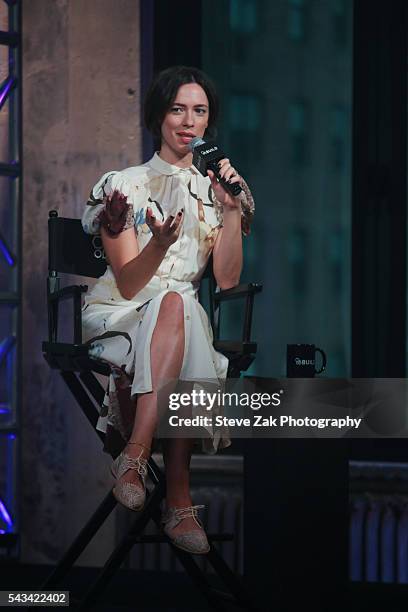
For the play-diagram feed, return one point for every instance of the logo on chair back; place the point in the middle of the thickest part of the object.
(98, 250)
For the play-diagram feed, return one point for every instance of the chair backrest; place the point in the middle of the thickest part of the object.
(71, 250)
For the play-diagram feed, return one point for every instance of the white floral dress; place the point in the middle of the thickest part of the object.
(119, 331)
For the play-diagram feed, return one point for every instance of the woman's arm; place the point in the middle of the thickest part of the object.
(133, 269)
(227, 252)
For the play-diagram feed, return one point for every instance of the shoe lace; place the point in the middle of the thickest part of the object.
(136, 463)
(145, 463)
(182, 513)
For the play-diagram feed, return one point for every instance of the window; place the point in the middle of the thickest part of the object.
(340, 22)
(338, 133)
(297, 255)
(243, 16)
(284, 112)
(245, 113)
(297, 19)
(337, 249)
(298, 130)
(245, 127)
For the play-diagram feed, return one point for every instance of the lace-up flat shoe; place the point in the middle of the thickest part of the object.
(129, 494)
(194, 541)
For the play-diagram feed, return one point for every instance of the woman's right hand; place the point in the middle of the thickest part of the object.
(164, 234)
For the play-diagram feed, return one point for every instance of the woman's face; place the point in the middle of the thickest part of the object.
(187, 118)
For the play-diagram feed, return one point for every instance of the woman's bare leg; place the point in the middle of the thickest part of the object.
(177, 456)
(166, 359)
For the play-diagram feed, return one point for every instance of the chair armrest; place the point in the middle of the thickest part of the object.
(55, 295)
(239, 291)
(246, 290)
(67, 292)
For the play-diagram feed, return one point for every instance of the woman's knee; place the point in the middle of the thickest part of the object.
(172, 307)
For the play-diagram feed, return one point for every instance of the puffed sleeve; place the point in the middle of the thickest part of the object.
(116, 203)
(247, 207)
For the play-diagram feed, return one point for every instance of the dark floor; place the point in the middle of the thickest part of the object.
(128, 591)
(132, 591)
(376, 597)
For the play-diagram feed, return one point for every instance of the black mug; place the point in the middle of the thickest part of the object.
(301, 360)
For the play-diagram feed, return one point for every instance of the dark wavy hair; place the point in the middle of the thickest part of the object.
(163, 91)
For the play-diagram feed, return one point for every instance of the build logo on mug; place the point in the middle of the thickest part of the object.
(301, 360)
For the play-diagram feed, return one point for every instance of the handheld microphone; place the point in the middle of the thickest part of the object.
(206, 156)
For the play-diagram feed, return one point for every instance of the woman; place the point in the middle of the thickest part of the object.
(159, 223)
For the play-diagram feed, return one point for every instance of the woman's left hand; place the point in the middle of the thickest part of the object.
(231, 175)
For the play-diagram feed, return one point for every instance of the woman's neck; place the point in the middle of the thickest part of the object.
(171, 157)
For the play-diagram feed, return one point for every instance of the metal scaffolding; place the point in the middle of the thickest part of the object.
(10, 274)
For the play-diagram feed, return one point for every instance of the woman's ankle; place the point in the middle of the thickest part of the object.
(178, 501)
(138, 449)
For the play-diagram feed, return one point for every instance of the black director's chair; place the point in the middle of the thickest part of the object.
(72, 251)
